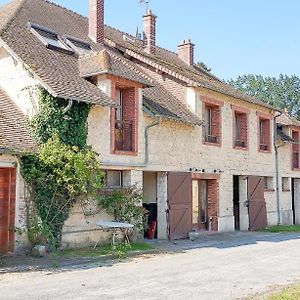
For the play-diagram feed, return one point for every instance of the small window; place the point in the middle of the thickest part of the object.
(80, 47)
(286, 186)
(49, 38)
(268, 184)
(241, 130)
(264, 135)
(212, 124)
(114, 179)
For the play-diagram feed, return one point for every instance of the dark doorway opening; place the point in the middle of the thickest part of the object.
(293, 201)
(236, 202)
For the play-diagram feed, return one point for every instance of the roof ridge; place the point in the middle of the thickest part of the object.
(12, 14)
(63, 7)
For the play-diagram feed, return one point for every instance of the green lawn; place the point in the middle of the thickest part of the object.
(283, 228)
(101, 250)
(291, 293)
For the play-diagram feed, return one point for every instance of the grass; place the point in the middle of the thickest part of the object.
(283, 228)
(291, 293)
(101, 250)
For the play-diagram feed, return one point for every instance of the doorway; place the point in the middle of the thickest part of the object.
(150, 204)
(293, 201)
(296, 200)
(200, 209)
(7, 209)
(236, 203)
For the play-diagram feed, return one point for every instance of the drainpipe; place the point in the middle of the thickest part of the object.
(146, 160)
(277, 168)
(68, 107)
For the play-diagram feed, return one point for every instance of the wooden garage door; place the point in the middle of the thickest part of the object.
(7, 209)
(180, 205)
(257, 204)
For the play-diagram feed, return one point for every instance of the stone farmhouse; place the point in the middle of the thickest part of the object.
(206, 156)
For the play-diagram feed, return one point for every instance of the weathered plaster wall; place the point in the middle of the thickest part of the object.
(18, 84)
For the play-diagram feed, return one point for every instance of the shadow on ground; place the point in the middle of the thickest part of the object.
(11, 264)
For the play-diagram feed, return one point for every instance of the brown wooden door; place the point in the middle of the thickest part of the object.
(257, 205)
(180, 205)
(7, 209)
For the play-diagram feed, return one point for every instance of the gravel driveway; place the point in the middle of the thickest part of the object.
(226, 266)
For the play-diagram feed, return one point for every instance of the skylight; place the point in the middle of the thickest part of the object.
(79, 46)
(49, 38)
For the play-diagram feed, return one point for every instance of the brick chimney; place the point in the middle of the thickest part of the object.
(96, 21)
(186, 52)
(149, 22)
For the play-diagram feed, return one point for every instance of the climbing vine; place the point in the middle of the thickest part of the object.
(64, 169)
(55, 117)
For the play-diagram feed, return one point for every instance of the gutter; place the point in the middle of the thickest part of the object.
(277, 167)
(146, 160)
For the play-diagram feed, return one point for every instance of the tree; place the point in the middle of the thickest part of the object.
(282, 92)
(202, 65)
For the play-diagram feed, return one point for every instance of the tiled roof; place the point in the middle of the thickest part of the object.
(107, 62)
(14, 134)
(286, 119)
(59, 72)
(169, 62)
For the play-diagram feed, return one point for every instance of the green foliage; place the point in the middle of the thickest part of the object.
(38, 232)
(120, 251)
(202, 65)
(125, 205)
(71, 126)
(282, 92)
(58, 175)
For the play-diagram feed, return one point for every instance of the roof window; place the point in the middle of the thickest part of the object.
(49, 38)
(79, 46)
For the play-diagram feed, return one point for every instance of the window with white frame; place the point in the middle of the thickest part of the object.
(80, 47)
(49, 38)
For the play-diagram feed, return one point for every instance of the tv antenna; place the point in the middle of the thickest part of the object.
(146, 3)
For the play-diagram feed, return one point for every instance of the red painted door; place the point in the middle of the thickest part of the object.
(180, 205)
(7, 209)
(257, 205)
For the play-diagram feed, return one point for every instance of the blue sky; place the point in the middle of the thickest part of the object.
(233, 37)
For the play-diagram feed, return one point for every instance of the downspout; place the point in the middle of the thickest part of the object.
(68, 107)
(277, 168)
(146, 160)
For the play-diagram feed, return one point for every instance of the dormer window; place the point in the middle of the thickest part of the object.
(49, 38)
(79, 46)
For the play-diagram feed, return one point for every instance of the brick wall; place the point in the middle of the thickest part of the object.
(130, 119)
(213, 202)
(186, 52)
(149, 23)
(96, 20)
(240, 128)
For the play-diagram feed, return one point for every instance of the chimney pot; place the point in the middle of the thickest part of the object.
(186, 51)
(96, 20)
(149, 23)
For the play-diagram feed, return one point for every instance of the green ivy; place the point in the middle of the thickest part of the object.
(59, 175)
(71, 126)
(63, 170)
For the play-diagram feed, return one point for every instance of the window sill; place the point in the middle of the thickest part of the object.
(295, 169)
(286, 191)
(269, 190)
(125, 153)
(240, 148)
(212, 144)
(264, 151)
